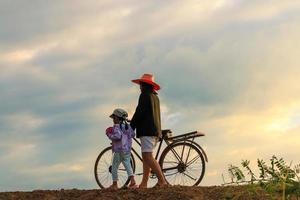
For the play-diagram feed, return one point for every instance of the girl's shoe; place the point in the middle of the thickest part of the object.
(112, 187)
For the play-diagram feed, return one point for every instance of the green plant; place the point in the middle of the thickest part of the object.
(236, 175)
(245, 164)
(277, 177)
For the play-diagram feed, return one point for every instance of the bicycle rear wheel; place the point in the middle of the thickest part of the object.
(102, 169)
(182, 164)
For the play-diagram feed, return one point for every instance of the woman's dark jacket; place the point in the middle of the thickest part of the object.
(146, 119)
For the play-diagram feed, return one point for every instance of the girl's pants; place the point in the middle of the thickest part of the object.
(118, 158)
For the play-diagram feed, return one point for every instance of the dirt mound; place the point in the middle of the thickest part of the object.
(175, 192)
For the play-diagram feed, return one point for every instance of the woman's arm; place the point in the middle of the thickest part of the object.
(140, 110)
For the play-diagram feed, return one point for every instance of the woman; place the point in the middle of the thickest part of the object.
(146, 121)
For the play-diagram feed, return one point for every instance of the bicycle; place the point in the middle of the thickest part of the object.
(179, 160)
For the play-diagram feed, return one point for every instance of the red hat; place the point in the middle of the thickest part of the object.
(149, 79)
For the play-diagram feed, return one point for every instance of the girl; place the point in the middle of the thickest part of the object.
(121, 135)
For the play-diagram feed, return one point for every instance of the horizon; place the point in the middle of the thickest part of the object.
(228, 68)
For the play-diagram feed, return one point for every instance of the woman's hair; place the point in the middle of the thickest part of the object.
(146, 87)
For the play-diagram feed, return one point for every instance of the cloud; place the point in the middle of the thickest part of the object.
(227, 68)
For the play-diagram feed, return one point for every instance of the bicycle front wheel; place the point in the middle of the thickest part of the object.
(182, 164)
(102, 169)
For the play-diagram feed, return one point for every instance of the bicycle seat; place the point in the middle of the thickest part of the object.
(167, 133)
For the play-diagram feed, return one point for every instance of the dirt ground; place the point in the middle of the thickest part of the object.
(170, 193)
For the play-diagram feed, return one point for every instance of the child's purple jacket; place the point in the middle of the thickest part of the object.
(121, 138)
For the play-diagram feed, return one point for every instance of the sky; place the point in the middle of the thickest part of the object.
(228, 68)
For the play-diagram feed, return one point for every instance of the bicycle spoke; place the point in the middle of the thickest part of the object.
(100, 172)
(107, 178)
(180, 180)
(182, 152)
(195, 168)
(189, 182)
(193, 160)
(190, 176)
(188, 155)
(122, 179)
(169, 168)
(176, 155)
(176, 176)
(172, 174)
(171, 162)
(195, 173)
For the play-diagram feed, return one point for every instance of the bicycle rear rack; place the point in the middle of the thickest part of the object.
(191, 135)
